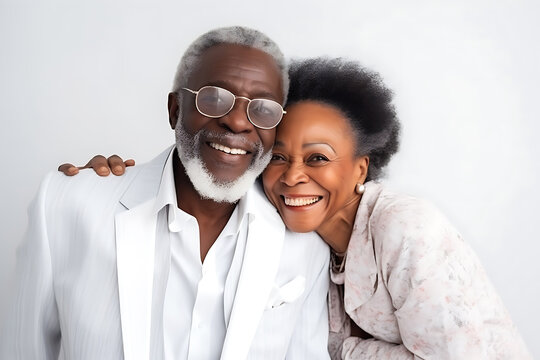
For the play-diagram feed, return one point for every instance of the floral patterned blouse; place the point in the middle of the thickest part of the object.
(416, 287)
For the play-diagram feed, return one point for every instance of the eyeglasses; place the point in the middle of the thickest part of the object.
(215, 102)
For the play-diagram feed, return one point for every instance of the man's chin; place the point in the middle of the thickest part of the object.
(226, 178)
(219, 190)
(226, 169)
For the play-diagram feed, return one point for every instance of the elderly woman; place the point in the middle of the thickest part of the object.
(404, 283)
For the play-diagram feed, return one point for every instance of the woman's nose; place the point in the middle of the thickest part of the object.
(295, 174)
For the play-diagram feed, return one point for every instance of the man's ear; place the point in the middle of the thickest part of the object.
(172, 105)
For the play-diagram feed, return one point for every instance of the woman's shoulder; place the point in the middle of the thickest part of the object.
(398, 218)
(395, 206)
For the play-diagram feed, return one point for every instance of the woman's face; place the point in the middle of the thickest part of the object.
(313, 171)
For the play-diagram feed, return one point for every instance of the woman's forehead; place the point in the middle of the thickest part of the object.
(313, 123)
(310, 116)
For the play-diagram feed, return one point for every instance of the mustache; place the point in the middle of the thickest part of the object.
(214, 136)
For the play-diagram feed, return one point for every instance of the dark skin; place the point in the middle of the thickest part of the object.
(245, 72)
(212, 217)
(102, 166)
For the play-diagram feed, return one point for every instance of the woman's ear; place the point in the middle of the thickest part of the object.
(172, 105)
(362, 164)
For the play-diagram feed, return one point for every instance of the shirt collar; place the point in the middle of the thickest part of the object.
(167, 193)
(177, 218)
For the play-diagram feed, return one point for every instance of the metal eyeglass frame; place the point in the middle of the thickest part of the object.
(196, 92)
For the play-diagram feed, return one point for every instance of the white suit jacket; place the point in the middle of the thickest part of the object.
(85, 276)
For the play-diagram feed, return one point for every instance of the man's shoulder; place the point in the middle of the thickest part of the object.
(311, 236)
(257, 204)
(255, 200)
(87, 181)
(309, 244)
(88, 187)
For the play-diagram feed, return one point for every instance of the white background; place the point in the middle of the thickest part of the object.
(84, 77)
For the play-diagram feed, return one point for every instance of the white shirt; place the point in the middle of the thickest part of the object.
(194, 322)
(84, 286)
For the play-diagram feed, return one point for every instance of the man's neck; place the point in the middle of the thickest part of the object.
(211, 216)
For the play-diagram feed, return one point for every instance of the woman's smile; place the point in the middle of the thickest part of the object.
(313, 171)
(300, 201)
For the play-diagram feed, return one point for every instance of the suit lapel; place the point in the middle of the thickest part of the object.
(135, 243)
(135, 254)
(257, 273)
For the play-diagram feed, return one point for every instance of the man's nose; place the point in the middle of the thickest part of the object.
(295, 174)
(237, 120)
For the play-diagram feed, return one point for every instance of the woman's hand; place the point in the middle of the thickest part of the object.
(101, 166)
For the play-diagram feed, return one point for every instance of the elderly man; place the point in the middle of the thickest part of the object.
(183, 257)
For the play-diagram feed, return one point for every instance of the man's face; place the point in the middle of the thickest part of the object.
(230, 146)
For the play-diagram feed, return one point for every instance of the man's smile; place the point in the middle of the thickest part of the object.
(227, 150)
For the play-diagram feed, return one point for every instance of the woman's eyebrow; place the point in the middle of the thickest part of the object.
(279, 144)
(307, 145)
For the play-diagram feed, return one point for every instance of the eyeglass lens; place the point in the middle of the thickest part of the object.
(214, 101)
(217, 102)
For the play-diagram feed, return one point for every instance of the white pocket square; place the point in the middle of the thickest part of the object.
(286, 293)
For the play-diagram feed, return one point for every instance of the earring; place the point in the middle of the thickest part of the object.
(360, 188)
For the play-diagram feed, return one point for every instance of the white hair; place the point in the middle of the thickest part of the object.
(187, 145)
(203, 181)
(237, 35)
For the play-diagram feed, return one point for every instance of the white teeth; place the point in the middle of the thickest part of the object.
(301, 201)
(228, 150)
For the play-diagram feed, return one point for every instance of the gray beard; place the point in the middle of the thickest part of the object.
(203, 181)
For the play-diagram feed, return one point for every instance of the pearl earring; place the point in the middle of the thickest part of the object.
(360, 188)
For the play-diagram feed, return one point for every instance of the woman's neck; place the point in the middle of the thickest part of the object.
(337, 230)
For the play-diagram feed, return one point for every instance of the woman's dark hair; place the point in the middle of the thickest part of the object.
(360, 95)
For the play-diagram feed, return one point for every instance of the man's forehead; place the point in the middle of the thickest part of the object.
(231, 65)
